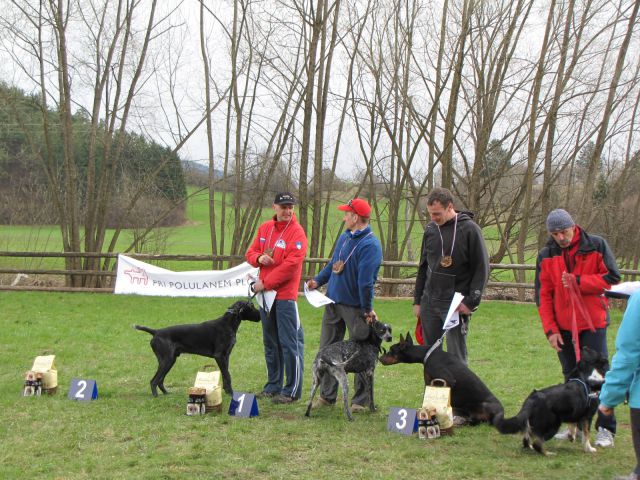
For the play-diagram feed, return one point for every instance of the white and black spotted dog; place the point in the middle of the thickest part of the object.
(350, 356)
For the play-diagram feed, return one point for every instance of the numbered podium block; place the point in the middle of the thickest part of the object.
(402, 420)
(83, 390)
(243, 405)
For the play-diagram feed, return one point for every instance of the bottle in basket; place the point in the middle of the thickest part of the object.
(196, 403)
(32, 384)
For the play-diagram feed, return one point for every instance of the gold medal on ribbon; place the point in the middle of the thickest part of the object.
(446, 261)
(269, 252)
(338, 267)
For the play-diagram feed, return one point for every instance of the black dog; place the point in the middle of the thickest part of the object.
(214, 338)
(350, 356)
(470, 397)
(574, 401)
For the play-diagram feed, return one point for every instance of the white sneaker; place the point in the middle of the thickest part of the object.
(566, 435)
(604, 438)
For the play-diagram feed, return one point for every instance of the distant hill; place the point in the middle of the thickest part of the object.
(199, 168)
(25, 197)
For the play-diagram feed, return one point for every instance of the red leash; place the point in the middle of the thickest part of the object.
(578, 304)
(418, 332)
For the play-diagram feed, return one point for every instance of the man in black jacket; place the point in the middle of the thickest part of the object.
(453, 259)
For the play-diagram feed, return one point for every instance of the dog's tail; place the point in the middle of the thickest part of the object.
(514, 424)
(145, 329)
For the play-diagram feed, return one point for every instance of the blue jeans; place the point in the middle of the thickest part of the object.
(283, 340)
(597, 341)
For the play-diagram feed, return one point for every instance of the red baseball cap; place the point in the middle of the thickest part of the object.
(358, 206)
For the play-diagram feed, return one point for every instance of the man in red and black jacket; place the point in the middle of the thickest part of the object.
(279, 250)
(570, 257)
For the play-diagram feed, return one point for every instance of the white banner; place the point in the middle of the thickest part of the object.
(136, 277)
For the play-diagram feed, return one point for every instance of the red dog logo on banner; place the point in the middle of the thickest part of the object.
(137, 275)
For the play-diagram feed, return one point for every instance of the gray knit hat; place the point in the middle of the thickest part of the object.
(559, 219)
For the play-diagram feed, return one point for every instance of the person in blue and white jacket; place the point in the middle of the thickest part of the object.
(351, 275)
(624, 376)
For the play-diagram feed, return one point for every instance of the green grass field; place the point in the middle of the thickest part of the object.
(127, 433)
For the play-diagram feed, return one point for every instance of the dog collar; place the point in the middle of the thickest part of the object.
(587, 391)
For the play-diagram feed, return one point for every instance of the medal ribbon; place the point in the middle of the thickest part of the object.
(453, 242)
(353, 249)
(267, 247)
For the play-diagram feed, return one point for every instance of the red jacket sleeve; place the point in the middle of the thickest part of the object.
(255, 249)
(544, 297)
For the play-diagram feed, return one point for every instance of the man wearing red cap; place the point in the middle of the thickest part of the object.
(279, 250)
(351, 275)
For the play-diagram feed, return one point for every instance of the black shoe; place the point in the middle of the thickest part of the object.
(282, 399)
(266, 394)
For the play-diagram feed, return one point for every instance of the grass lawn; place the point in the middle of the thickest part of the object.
(127, 433)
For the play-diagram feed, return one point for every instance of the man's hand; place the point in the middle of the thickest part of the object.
(566, 276)
(258, 286)
(608, 411)
(312, 284)
(416, 311)
(555, 340)
(463, 309)
(265, 260)
(370, 316)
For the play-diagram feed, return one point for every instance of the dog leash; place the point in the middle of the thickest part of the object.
(433, 347)
(578, 304)
(255, 294)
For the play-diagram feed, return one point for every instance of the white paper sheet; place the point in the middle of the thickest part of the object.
(626, 288)
(266, 298)
(316, 298)
(453, 317)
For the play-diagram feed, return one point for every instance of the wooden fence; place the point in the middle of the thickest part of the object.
(54, 279)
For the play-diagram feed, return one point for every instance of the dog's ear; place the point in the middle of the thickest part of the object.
(235, 308)
(401, 338)
(589, 354)
(409, 339)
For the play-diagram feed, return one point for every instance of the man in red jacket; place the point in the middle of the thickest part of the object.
(279, 250)
(573, 258)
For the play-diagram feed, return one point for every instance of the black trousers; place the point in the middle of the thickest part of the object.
(432, 316)
(634, 413)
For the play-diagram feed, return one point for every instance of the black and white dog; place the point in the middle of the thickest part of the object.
(574, 401)
(350, 356)
(214, 338)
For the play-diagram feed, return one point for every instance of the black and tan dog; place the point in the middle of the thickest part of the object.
(574, 402)
(349, 356)
(470, 397)
(214, 338)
